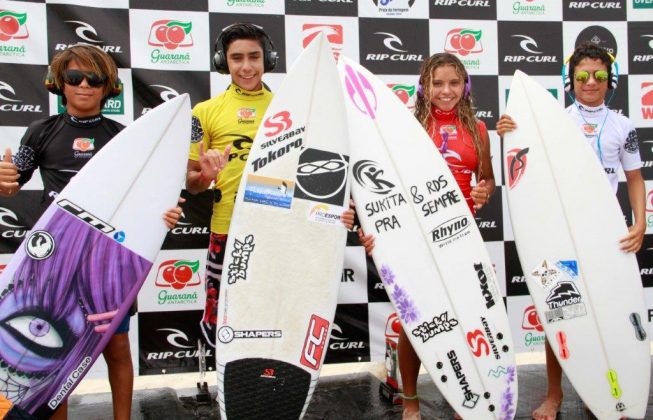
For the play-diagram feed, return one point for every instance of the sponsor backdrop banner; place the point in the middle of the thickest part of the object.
(164, 48)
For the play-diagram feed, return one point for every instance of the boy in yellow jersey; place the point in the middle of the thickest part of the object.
(223, 132)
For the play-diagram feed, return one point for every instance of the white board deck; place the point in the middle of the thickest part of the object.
(73, 279)
(567, 225)
(428, 251)
(285, 249)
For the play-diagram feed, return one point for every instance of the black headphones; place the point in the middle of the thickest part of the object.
(270, 56)
(51, 85)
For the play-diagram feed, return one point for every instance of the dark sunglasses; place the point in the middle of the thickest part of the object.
(75, 77)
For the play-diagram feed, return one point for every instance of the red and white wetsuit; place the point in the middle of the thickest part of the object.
(457, 148)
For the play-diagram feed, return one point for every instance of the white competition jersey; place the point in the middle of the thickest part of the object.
(611, 135)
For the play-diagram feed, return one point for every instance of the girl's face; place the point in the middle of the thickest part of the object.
(446, 87)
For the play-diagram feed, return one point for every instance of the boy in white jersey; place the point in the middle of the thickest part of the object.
(614, 140)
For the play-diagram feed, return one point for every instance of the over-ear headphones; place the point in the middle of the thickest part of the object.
(466, 92)
(270, 56)
(568, 80)
(51, 86)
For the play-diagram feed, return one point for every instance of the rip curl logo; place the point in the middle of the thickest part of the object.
(12, 25)
(391, 41)
(6, 213)
(516, 161)
(83, 30)
(167, 92)
(171, 34)
(463, 41)
(360, 92)
(369, 175)
(4, 86)
(39, 245)
(527, 44)
(241, 255)
(277, 123)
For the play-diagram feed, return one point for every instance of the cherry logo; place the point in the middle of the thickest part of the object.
(12, 25)
(649, 202)
(463, 41)
(403, 92)
(277, 123)
(170, 34)
(178, 274)
(83, 144)
(531, 321)
(477, 342)
(516, 161)
(2, 267)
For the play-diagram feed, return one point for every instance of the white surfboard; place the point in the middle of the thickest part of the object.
(428, 251)
(285, 249)
(72, 281)
(567, 225)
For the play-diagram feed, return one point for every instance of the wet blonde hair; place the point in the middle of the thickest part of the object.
(464, 107)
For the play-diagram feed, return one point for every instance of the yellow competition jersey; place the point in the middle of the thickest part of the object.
(230, 118)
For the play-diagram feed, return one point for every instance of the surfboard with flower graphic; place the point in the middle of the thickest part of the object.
(429, 252)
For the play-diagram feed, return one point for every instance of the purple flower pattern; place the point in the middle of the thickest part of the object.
(403, 303)
(507, 399)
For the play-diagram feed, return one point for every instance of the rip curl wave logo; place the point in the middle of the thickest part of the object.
(171, 34)
(83, 30)
(360, 92)
(516, 161)
(12, 25)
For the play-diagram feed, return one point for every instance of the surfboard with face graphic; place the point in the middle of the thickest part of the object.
(72, 281)
(285, 249)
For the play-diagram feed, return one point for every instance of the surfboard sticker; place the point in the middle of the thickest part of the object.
(269, 191)
(327, 214)
(322, 176)
(241, 253)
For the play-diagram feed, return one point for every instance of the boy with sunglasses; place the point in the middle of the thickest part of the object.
(60, 145)
(614, 140)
